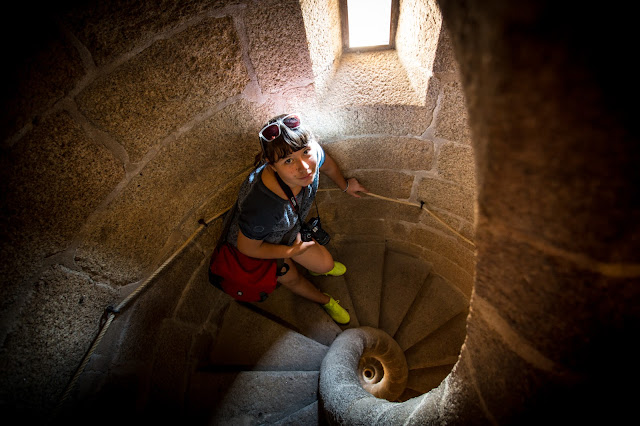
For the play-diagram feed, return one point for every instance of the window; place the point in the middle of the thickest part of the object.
(368, 24)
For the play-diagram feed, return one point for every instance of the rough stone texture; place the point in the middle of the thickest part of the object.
(448, 259)
(198, 297)
(442, 347)
(404, 276)
(55, 328)
(160, 196)
(322, 27)
(364, 261)
(446, 246)
(44, 69)
(455, 163)
(303, 316)
(434, 220)
(389, 153)
(342, 212)
(309, 415)
(435, 304)
(455, 401)
(451, 122)
(51, 182)
(384, 182)
(425, 379)
(348, 217)
(368, 92)
(272, 27)
(441, 195)
(418, 48)
(445, 61)
(110, 29)
(530, 283)
(519, 386)
(166, 85)
(247, 341)
(539, 199)
(157, 302)
(253, 396)
(355, 81)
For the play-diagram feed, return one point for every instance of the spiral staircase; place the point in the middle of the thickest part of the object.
(264, 365)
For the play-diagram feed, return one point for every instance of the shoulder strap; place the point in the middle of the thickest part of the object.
(289, 193)
(292, 198)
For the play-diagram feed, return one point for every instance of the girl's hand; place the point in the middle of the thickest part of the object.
(300, 246)
(355, 187)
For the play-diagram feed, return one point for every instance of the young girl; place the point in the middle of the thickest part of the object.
(265, 225)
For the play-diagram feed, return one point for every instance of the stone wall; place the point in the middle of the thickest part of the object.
(126, 122)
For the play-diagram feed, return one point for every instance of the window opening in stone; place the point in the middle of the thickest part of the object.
(368, 24)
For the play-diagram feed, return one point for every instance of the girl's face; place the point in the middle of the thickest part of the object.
(297, 168)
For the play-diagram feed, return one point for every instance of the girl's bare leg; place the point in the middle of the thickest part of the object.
(299, 285)
(317, 259)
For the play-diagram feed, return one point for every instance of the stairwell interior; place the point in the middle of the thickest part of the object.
(496, 252)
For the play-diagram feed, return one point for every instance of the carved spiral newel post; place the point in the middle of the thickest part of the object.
(364, 365)
(382, 369)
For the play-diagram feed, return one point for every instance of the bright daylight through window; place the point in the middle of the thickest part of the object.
(369, 22)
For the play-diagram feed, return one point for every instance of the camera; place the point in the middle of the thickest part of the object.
(313, 230)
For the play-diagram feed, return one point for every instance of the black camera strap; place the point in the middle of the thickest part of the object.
(292, 199)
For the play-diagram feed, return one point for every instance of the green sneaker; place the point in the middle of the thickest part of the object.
(336, 312)
(338, 269)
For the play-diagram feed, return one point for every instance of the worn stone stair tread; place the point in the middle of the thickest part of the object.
(249, 397)
(408, 394)
(307, 416)
(404, 276)
(337, 288)
(365, 262)
(435, 304)
(440, 347)
(307, 317)
(424, 379)
(248, 340)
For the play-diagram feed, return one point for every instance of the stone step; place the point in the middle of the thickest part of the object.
(365, 263)
(305, 316)
(249, 397)
(425, 379)
(337, 288)
(308, 416)
(408, 394)
(441, 347)
(435, 304)
(404, 276)
(249, 341)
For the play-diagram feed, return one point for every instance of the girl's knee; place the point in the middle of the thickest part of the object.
(326, 265)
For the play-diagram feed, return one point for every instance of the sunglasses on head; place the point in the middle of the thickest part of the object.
(272, 130)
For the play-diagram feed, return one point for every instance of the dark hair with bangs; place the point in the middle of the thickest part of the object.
(289, 141)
